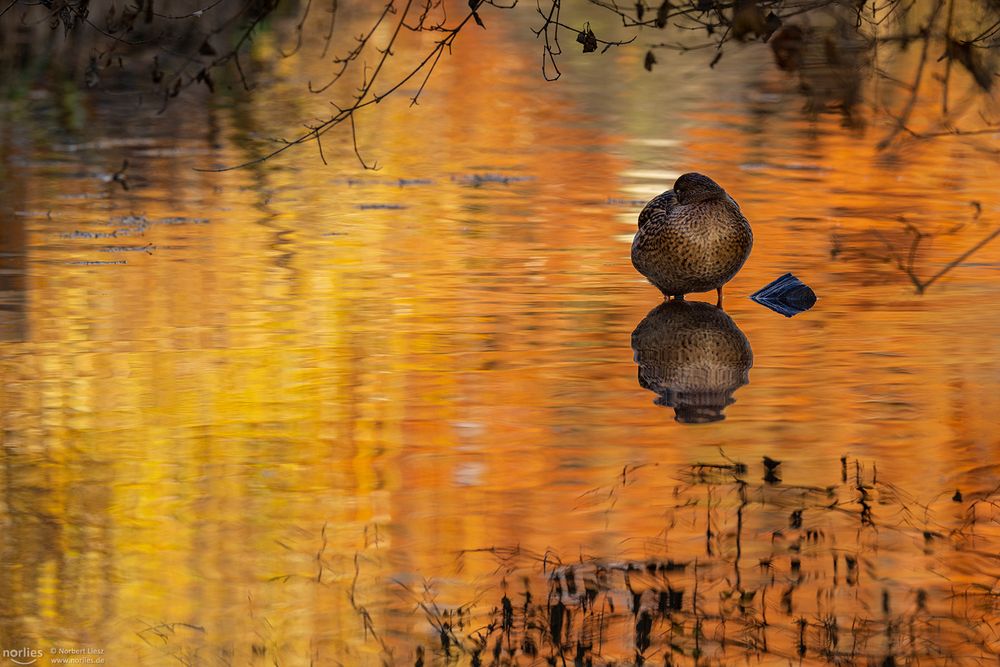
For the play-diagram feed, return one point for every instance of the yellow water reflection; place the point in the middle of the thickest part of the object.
(260, 417)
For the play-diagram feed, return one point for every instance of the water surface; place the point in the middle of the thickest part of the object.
(299, 412)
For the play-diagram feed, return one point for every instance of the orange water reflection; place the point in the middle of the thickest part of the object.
(274, 432)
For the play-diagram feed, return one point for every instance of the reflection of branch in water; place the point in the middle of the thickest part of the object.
(907, 262)
(961, 258)
(904, 115)
(402, 42)
(971, 52)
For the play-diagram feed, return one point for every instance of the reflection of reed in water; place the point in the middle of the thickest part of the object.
(694, 357)
(758, 572)
(748, 569)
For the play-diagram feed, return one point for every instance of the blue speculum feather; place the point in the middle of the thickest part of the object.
(786, 295)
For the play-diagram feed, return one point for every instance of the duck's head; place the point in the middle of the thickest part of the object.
(693, 187)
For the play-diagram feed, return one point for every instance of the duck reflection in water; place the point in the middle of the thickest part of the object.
(694, 356)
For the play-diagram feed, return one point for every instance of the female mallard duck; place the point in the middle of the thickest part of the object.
(692, 238)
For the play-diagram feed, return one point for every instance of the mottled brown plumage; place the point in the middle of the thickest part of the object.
(692, 238)
(694, 357)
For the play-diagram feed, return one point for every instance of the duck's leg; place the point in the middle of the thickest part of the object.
(718, 290)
